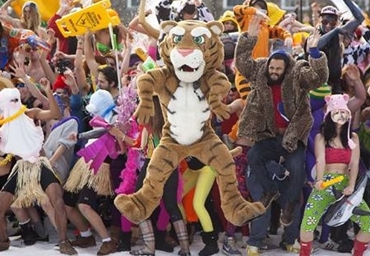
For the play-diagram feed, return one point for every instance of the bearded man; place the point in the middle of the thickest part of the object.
(277, 116)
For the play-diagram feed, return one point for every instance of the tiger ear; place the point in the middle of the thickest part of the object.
(216, 27)
(167, 25)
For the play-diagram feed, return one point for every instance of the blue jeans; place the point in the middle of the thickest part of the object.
(271, 150)
(259, 227)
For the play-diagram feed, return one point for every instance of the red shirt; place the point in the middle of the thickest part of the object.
(63, 42)
(276, 99)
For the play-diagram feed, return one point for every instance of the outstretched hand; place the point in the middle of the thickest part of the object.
(69, 78)
(17, 70)
(254, 25)
(45, 84)
(313, 39)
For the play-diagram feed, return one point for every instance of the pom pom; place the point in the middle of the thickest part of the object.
(127, 103)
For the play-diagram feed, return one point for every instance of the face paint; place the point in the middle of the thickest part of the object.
(340, 116)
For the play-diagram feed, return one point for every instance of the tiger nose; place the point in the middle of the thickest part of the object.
(185, 52)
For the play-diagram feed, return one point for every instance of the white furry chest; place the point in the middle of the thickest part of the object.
(187, 113)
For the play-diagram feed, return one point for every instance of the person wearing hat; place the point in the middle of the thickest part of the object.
(357, 51)
(337, 152)
(317, 103)
(300, 31)
(27, 90)
(353, 86)
(277, 116)
(244, 14)
(229, 22)
(30, 19)
(24, 139)
(185, 10)
(5, 159)
(330, 42)
(92, 175)
(229, 38)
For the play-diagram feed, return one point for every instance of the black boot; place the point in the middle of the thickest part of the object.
(124, 244)
(210, 240)
(160, 241)
(191, 231)
(28, 234)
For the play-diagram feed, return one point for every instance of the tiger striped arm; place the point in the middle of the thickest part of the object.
(219, 86)
(145, 108)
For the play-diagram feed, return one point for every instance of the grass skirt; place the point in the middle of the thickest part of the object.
(82, 175)
(29, 190)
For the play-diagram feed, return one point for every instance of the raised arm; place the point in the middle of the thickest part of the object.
(83, 85)
(325, 39)
(53, 112)
(358, 18)
(348, 28)
(352, 77)
(89, 55)
(150, 30)
(18, 71)
(8, 19)
(244, 61)
(49, 73)
(316, 73)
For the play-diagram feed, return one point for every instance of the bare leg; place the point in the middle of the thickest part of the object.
(306, 236)
(363, 237)
(76, 218)
(94, 219)
(50, 211)
(21, 214)
(55, 194)
(6, 200)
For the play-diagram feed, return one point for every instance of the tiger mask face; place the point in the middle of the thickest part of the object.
(192, 48)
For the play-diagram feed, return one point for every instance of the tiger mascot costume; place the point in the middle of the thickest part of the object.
(189, 87)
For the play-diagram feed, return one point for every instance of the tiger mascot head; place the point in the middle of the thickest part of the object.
(192, 48)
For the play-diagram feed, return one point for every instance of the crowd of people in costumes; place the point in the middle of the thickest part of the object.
(247, 123)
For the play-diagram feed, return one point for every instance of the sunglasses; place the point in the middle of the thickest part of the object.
(331, 22)
(20, 85)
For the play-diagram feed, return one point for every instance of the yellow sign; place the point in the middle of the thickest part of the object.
(94, 17)
(47, 9)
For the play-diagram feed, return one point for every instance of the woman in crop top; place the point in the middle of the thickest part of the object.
(337, 153)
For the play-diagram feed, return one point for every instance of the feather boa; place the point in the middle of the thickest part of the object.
(128, 174)
(127, 104)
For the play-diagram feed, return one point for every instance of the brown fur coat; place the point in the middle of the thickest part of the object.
(257, 119)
